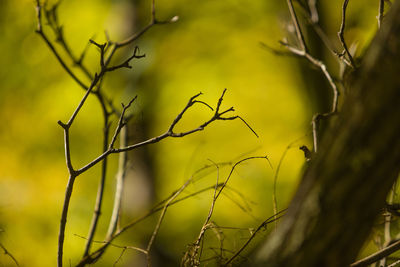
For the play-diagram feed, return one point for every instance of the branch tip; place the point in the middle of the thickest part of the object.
(251, 129)
(63, 125)
(204, 103)
(101, 46)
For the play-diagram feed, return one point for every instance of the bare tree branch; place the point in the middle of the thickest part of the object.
(51, 15)
(341, 35)
(274, 195)
(113, 225)
(377, 255)
(169, 133)
(263, 225)
(295, 21)
(303, 52)
(159, 207)
(40, 31)
(192, 256)
(6, 252)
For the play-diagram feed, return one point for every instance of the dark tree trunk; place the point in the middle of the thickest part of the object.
(345, 186)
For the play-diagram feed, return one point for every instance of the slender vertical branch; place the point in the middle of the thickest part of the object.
(161, 218)
(71, 170)
(295, 21)
(53, 23)
(94, 82)
(303, 52)
(63, 222)
(123, 156)
(52, 19)
(100, 190)
(380, 12)
(196, 255)
(192, 255)
(274, 198)
(341, 34)
(314, 124)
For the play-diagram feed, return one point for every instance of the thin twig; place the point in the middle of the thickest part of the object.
(158, 207)
(233, 168)
(317, 117)
(377, 255)
(341, 35)
(319, 64)
(153, 21)
(52, 19)
(125, 64)
(40, 31)
(192, 256)
(169, 133)
(71, 170)
(67, 126)
(269, 220)
(303, 52)
(278, 168)
(161, 217)
(119, 189)
(121, 122)
(295, 21)
(73, 173)
(6, 252)
(63, 222)
(394, 264)
(101, 186)
(104, 62)
(312, 17)
(115, 245)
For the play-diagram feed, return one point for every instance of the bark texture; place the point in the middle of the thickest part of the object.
(345, 186)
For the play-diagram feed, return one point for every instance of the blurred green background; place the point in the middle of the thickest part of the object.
(214, 45)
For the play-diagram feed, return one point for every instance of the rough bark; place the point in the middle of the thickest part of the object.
(345, 186)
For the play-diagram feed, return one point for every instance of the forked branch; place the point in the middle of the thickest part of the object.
(193, 256)
(303, 52)
(341, 35)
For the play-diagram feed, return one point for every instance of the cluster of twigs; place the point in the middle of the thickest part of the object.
(301, 49)
(387, 242)
(193, 256)
(345, 58)
(94, 87)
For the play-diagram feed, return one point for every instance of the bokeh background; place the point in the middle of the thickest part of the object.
(214, 45)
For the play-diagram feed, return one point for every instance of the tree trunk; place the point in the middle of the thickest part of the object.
(345, 186)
